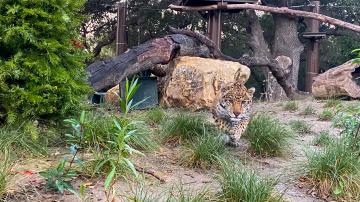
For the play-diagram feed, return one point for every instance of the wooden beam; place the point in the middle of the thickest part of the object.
(282, 10)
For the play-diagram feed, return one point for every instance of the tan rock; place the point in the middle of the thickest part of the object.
(112, 96)
(195, 82)
(338, 81)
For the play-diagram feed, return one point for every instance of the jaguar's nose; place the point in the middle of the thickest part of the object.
(236, 113)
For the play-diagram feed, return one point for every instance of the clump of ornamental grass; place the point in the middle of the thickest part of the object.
(335, 170)
(300, 126)
(309, 110)
(238, 183)
(326, 115)
(204, 152)
(332, 103)
(290, 106)
(5, 167)
(24, 139)
(155, 115)
(185, 126)
(267, 136)
(323, 139)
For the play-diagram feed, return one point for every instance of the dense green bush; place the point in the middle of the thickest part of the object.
(41, 60)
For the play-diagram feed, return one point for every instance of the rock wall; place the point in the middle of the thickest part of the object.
(195, 82)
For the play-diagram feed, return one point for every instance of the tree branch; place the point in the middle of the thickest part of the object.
(282, 10)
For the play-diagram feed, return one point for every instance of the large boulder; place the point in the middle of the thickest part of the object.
(195, 82)
(338, 81)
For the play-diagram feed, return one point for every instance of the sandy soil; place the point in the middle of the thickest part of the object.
(164, 163)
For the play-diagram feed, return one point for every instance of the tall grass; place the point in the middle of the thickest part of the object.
(203, 152)
(155, 115)
(5, 166)
(336, 170)
(267, 136)
(24, 139)
(309, 110)
(331, 103)
(323, 139)
(241, 184)
(326, 115)
(290, 106)
(300, 126)
(185, 126)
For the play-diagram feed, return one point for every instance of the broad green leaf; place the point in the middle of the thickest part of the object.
(110, 178)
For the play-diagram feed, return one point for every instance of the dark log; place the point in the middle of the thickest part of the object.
(108, 73)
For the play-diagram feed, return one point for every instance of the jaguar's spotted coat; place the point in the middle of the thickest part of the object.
(232, 112)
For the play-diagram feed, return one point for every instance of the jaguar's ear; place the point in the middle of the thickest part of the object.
(251, 91)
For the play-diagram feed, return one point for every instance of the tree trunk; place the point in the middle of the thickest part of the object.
(287, 43)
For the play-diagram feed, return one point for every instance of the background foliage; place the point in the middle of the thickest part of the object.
(41, 62)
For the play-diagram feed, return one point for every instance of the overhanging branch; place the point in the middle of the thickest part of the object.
(282, 10)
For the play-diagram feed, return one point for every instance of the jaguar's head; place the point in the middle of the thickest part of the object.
(237, 99)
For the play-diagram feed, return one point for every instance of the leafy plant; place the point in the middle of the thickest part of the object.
(357, 59)
(336, 170)
(117, 157)
(203, 152)
(309, 110)
(58, 178)
(300, 126)
(326, 115)
(323, 139)
(42, 69)
(241, 184)
(267, 136)
(126, 102)
(187, 127)
(290, 106)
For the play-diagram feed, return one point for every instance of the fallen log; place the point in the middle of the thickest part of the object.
(108, 73)
(338, 81)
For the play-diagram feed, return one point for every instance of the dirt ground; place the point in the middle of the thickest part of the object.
(28, 186)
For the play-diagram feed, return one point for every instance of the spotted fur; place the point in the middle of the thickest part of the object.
(233, 110)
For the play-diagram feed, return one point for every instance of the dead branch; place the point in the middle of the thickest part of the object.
(282, 10)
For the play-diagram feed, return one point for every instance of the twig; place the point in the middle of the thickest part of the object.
(149, 172)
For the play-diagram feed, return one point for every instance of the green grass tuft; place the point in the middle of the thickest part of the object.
(5, 167)
(323, 139)
(240, 184)
(326, 115)
(309, 110)
(185, 126)
(336, 169)
(332, 103)
(155, 115)
(25, 140)
(267, 136)
(300, 126)
(290, 106)
(204, 152)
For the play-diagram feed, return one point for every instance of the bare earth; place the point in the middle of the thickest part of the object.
(164, 163)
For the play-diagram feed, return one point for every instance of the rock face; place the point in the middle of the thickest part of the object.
(195, 83)
(338, 81)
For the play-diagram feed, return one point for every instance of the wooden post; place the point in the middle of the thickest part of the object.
(121, 29)
(312, 67)
(215, 24)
